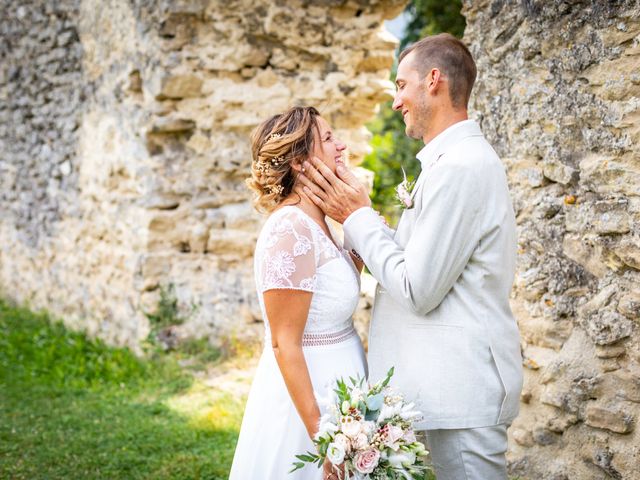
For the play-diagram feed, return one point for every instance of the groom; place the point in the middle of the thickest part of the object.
(441, 314)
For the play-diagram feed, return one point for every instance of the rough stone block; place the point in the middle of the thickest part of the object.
(559, 172)
(585, 253)
(629, 305)
(544, 437)
(614, 221)
(609, 418)
(610, 351)
(629, 251)
(522, 437)
(607, 327)
(181, 86)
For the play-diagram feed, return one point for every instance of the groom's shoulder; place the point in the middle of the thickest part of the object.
(471, 153)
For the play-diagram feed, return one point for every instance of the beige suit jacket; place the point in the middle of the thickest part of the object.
(441, 315)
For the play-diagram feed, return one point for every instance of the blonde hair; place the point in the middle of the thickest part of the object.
(279, 143)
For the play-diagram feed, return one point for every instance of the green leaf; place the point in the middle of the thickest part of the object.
(296, 466)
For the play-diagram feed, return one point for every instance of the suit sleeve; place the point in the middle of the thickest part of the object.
(446, 232)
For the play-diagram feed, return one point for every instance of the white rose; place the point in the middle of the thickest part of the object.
(350, 426)
(360, 442)
(326, 426)
(335, 453)
(343, 441)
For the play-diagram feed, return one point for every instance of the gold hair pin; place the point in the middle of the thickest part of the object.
(262, 167)
(277, 189)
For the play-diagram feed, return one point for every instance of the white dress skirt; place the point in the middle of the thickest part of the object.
(293, 252)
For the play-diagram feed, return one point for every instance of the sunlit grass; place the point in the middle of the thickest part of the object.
(73, 408)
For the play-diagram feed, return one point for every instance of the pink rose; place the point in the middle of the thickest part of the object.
(393, 435)
(367, 460)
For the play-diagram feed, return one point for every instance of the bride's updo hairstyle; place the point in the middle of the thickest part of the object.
(279, 143)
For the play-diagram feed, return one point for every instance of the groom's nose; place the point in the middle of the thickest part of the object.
(397, 103)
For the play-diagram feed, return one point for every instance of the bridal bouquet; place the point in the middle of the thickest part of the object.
(368, 431)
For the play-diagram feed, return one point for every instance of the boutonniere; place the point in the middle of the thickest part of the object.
(403, 192)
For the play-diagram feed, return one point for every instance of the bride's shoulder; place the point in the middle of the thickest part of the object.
(288, 221)
(288, 216)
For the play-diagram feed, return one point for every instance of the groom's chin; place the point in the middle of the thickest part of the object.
(411, 133)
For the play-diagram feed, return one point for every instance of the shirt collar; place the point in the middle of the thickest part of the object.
(456, 132)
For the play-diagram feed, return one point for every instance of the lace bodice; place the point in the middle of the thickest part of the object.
(293, 252)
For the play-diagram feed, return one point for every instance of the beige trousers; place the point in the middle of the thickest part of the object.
(469, 453)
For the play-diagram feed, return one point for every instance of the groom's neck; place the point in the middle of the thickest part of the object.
(440, 122)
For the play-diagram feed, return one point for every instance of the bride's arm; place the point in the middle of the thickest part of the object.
(287, 311)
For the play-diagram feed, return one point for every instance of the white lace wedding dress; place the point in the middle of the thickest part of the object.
(293, 252)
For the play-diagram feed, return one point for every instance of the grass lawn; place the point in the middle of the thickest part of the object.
(72, 408)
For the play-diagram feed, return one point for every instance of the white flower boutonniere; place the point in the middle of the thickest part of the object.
(403, 192)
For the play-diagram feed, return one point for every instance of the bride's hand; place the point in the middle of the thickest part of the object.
(331, 472)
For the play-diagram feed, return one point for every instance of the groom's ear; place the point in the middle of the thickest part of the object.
(433, 80)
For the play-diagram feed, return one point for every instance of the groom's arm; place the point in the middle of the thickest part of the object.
(445, 234)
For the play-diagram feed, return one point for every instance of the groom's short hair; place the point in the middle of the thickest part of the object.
(452, 57)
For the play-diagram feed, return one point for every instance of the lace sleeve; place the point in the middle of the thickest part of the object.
(289, 259)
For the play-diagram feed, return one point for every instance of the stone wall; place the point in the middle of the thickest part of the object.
(559, 96)
(124, 145)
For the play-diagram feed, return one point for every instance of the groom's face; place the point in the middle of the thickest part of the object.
(411, 99)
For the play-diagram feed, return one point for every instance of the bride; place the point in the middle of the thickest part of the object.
(308, 289)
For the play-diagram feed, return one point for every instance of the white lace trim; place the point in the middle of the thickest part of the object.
(321, 339)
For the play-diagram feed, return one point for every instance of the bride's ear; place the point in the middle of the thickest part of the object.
(297, 167)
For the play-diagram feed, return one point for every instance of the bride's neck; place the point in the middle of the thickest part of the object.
(302, 201)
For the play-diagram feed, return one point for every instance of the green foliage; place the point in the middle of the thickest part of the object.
(71, 407)
(167, 312)
(392, 149)
(33, 348)
(430, 17)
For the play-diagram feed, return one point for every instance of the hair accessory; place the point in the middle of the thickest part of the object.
(262, 167)
(277, 189)
(277, 161)
(274, 136)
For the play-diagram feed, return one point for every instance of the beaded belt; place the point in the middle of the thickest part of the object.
(318, 339)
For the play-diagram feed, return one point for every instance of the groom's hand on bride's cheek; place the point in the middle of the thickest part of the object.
(338, 196)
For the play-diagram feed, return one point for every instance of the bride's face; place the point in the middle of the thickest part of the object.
(327, 147)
